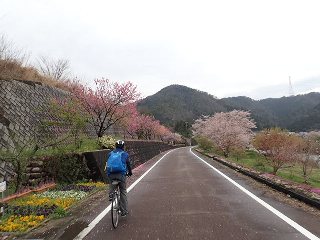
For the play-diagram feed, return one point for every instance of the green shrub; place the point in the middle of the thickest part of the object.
(67, 168)
(204, 143)
(59, 213)
(107, 142)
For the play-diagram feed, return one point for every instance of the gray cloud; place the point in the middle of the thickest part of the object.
(207, 45)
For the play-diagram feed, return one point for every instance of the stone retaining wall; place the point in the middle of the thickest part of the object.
(21, 106)
(6, 171)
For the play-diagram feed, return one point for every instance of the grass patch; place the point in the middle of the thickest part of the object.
(253, 160)
(295, 174)
(87, 145)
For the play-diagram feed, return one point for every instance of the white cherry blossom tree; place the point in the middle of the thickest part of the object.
(228, 131)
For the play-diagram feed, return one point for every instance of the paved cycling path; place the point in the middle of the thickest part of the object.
(183, 198)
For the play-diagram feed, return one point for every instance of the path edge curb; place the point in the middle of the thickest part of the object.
(294, 194)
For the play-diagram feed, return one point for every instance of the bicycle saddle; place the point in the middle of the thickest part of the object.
(115, 182)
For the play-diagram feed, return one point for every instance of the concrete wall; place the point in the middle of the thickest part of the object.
(89, 165)
(139, 152)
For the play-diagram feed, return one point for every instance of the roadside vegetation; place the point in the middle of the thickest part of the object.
(25, 213)
(15, 65)
(256, 161)
(274, 151)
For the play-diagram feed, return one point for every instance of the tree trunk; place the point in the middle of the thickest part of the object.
(275, 170)
(19, 178)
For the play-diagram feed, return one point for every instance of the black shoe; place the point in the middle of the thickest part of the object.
(124, 214)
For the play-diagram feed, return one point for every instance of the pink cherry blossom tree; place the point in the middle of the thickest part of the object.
(228, 131)
(163, 132)
(108, 103)
(146, 127)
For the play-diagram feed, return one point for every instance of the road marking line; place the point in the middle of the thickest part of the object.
(86, 230)
(263, 203)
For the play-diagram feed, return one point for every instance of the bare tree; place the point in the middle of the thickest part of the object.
(10, 53)
(310, 148)
(56, 69)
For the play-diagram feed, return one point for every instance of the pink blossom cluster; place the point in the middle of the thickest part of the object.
(106, 104)
(143, 126)
(227, 130)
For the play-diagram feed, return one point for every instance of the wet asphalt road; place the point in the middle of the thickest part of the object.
(182, 198)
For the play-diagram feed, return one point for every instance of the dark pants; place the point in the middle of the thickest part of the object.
(123, 190)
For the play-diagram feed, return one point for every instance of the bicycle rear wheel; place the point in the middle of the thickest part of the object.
(115, 210)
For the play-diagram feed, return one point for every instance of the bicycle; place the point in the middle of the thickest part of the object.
(115, 203)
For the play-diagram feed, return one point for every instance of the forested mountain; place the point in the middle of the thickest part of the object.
(263, 116)
(286, 112)
(310, 121)
(177, 103)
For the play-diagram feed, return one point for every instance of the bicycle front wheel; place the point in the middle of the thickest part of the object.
(115, 210)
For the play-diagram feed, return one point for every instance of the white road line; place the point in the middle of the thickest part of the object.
(86, 230)
(263, 203)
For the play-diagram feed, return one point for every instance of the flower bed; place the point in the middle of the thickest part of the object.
(20, 223)
(75, 194)
(29, 211)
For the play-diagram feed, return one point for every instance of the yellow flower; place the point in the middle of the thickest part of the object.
(20, 223)
(96, 184)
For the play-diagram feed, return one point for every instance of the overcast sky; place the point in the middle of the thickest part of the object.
(226, 48)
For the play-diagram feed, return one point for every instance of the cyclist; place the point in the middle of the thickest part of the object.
(119, 174)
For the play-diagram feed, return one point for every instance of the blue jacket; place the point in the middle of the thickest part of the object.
(124, 159)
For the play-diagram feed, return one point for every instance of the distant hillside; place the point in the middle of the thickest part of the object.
(179, 103)
(176, 102)
(285, 112)
(263, 116)
(310, 121)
